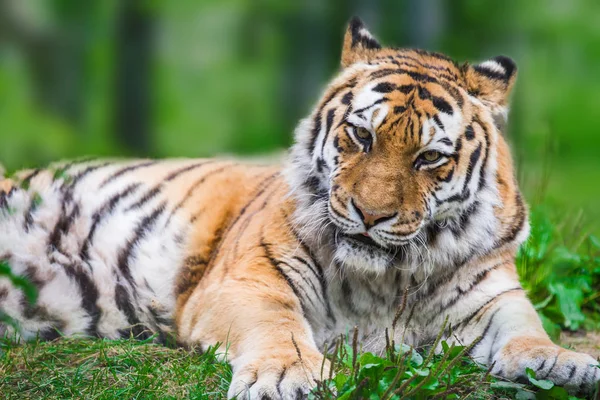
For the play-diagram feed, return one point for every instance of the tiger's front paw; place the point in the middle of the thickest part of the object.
(277, 376)
(577, 372)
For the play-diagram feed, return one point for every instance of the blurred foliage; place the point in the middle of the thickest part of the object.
(559, 267)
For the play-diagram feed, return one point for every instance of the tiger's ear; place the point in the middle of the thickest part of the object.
(492, 80)
(359, 44)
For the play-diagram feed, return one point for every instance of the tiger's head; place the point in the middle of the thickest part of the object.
(403, 159)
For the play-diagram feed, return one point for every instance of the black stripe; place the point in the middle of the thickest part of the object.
(473, 158)
(302, 287)
(541, 367)
(125, 304)
(317, 120)
(552, 367)
(466, 321)
(469, 133)
(399, 109)
(244, 224)
(304, 277)
(406, 89)
(486, 136)
(88, 291)
(485, 331)
(360, 110)
(260, 189)
(188, 168)
(33, 206)
(27, 180)
(143, 228)
(105, 210)
(126, 170)
(454, 92)
(492, 74)
(460, 293)
(584, 378)
(348, 299)
(49, 334)
(322, 282)
(357, 37)
(316, 129)
(328, 124)
(62, 227)
(384, 87)
(69, 186)
(195, 186)
(399, 71)
(423, 93)
(149, 195)
(517, 225)
(347, 99)
(275, 264)
(440, 124)
(152, 193)
(442, 105)
(89, 296)
(3, 201)
(64, 222)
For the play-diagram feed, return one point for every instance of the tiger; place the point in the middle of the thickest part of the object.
(398, 190)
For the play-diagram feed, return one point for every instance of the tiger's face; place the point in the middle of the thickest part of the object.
(404, 141)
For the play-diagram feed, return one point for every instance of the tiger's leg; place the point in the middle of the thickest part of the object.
(255, 314)
(511, 338)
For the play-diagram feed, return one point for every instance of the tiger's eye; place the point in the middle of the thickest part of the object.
(363, 133)
(431, 156)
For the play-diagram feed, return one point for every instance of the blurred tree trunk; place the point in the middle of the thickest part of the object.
(133, 76)
(425, 22)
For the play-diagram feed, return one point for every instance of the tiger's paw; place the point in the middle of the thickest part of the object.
(280, 377)
(576, 372)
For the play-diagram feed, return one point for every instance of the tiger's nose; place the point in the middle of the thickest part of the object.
(371, 219)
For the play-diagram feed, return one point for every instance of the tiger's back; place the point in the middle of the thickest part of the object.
(112, 245)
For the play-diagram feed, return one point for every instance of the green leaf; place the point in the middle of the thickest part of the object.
(544, 303)
(445, 346)
(416, 359)
(594, 241)
(506, 385)
(569, 301)
(552, 328)
(348, 393)
(524, 395)
(432, 383)
(541, 383)
(558, 393)
(455, 351)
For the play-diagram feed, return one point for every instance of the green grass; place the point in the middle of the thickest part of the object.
(109, 369)
(559, 267)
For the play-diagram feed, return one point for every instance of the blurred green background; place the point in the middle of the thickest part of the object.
(206, 77)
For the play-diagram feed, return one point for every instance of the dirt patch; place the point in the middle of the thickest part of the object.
(585, 342)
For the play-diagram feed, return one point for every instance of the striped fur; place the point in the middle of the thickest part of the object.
(278, 261)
